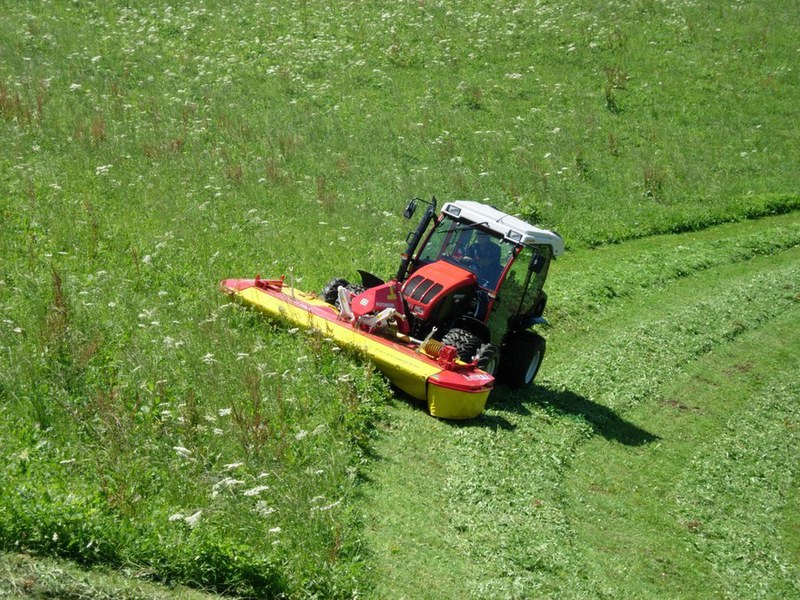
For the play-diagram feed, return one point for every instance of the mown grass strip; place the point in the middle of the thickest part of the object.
(693, 321)
(408, 526)
(700, 512)
(738, 486)
(505, 492)
(583, 283)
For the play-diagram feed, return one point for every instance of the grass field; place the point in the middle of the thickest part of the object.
(158, 441)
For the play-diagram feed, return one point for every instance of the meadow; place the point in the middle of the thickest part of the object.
(167, 443)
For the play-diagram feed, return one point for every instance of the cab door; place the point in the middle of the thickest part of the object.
(520, 295)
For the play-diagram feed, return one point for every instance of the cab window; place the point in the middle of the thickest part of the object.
(525, 278)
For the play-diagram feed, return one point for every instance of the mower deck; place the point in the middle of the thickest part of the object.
(451, 391)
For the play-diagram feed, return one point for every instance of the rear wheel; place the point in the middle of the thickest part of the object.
(522, 356)
(330, 293)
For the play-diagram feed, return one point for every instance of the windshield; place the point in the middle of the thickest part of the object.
(470, 247)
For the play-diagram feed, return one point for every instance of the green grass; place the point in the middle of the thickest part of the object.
(573, 489)
(698, 511)
(150, 150)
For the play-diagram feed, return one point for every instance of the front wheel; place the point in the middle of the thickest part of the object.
(354, 290)
(522, 356)
(465, 342)
(470, 347)
(488, 358)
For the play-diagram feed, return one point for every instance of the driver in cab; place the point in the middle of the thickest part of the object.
(484, 258)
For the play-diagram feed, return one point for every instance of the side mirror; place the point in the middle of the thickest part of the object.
(410, 209)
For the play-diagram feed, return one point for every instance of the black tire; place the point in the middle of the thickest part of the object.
(330, 293)
(488, 357)
(465, 343)
(522, 357)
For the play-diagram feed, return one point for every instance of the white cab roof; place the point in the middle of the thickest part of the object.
(507, 226)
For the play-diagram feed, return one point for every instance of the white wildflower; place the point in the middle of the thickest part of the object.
(263, 509)
(256, 490)
(184, 452)
(227, 482)
(329, 506)
(194, 519)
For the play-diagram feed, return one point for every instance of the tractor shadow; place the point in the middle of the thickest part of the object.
(603, 420)
(505, 401)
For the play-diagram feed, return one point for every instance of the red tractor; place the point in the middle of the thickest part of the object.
(474, 282)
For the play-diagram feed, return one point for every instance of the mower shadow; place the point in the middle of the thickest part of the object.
(483, 420)
(603, 420)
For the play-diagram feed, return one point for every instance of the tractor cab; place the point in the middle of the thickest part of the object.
(479, 269)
